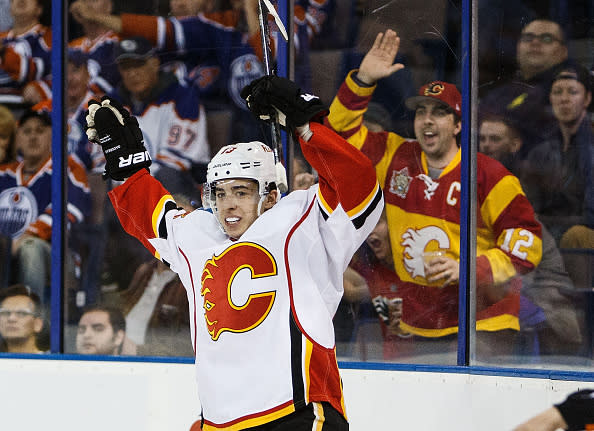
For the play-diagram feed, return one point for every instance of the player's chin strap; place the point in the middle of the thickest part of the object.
(281, 175)
(260, 202)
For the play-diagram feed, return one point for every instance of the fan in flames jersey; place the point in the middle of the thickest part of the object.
(424, 214)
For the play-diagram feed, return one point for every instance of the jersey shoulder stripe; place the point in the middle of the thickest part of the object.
(165, 204)
(360, 214)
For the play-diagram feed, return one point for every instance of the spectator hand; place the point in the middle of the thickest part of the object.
(17, 243)
(378, 62)
(442, 268)
(304, 181)
(31, 94)
(81, 12)
(395, 310)
(390, 312)
(110, 125)
(272, 94)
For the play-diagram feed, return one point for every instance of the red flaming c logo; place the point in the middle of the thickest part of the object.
(434, 89)
(220, 313)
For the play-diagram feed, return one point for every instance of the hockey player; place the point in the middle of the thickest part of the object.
(263, 276)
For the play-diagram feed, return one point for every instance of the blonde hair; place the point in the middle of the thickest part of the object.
(8, 127)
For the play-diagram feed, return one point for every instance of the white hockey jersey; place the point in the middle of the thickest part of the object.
(261, 307)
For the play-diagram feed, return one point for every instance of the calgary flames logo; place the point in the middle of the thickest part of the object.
(415, 242)
(220, 311)
(434, 89)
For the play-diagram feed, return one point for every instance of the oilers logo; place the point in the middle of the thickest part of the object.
(244, 70)
(415, 242)
(18, 209)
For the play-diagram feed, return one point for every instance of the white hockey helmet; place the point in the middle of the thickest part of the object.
(245, 160)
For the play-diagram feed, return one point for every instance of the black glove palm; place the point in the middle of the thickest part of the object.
(294, 108)
(110, 125)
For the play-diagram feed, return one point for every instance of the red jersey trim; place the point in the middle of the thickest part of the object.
(288, 268)
(320, 366)
(194, 296)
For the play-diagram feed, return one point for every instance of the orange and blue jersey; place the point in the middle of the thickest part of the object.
(25, 204)
(25, 58)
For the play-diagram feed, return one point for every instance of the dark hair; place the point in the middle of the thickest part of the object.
(21, 290)
(457, 120)
(378, 114)
(43, 115)
(46, 14)
(546, 19)
(510, 123)
(116, 317)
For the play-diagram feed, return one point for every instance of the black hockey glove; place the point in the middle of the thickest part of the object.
(380, 303)
(578, 409)
(110, 125)
(272, 93)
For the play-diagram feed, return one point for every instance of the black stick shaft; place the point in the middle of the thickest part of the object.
(266, 51)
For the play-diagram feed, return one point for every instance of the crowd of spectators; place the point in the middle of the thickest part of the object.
(175, 64)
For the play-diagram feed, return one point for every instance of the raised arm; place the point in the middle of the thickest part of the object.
(355, 93)
(200, 32)
(335, 160)
(82, 14)
(141, 201)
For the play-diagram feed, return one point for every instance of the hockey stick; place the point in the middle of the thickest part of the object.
(265, 7)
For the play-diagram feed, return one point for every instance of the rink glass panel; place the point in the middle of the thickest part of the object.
(431, 49)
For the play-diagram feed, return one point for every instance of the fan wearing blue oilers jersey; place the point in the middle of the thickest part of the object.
(171, 117)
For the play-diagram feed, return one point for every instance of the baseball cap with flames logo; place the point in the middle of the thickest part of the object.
(445, 92)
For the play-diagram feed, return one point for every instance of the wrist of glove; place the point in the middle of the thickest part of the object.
(578, 409)
(272, 97)
(110, 125)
